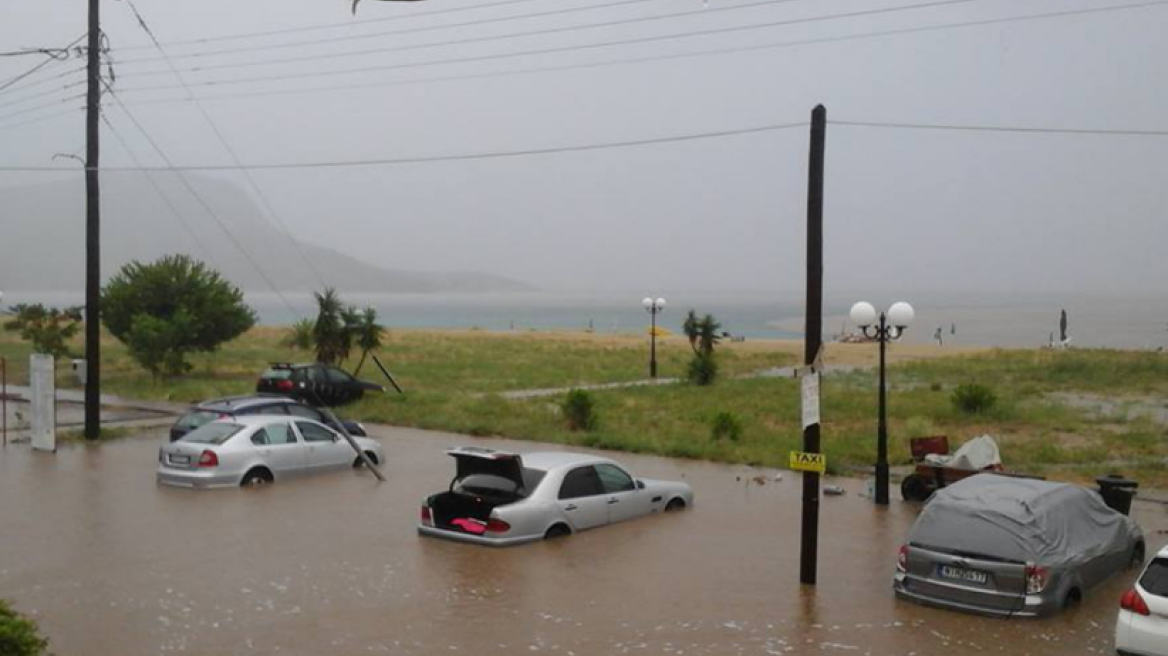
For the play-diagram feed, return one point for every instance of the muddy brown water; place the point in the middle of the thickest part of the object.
(111, 564)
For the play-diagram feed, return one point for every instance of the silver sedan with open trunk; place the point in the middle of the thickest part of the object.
(253, 450)
(498, 498)
(1013, 547)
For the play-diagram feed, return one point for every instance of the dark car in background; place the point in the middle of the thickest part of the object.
(260, 404)
(318, 384)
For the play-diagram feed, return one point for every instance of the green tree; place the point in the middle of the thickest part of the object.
(19, 636)
(704, 336)
(47, 328)
(329, 331)
(368, 335)
(170, 308)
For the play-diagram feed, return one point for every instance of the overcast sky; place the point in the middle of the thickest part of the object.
(905, 209)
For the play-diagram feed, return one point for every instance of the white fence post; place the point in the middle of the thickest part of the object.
(43, 383)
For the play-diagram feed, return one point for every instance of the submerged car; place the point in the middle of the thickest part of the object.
(498, 498)
(319, 384)
(256, 450)
(1004, 546)
(1142, 626)
(256, 404)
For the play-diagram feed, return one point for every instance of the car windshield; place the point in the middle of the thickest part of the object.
(498, 486)
(213, 433)
(1155, 579)
(193, 420)
(277, 374)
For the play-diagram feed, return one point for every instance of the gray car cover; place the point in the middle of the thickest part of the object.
(1024, 520)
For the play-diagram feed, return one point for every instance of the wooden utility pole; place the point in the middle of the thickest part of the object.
(809, 551)
(93, 231)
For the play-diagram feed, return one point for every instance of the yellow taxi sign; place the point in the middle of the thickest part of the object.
(808, 462)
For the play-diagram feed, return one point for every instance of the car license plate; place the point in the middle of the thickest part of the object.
(180, 460)
(962, 574)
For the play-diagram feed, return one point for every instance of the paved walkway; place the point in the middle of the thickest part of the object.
(774, 372)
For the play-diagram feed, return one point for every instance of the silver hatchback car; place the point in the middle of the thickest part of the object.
(498, 498)
(255, 450)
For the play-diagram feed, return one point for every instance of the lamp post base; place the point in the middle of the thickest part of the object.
(882, 483)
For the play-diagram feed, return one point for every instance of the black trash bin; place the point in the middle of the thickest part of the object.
(1117, 492)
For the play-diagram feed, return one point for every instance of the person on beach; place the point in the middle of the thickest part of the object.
(937, 336)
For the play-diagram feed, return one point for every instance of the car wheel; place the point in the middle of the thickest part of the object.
(256, 478)
(357, 462)
(674, 505)
(1073, 597)
(914, 488)
(557, 531)
(1137, 559)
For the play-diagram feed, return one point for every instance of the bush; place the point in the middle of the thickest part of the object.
(169, 308)
(47, 328)
(973, 399)
(300, 335)
(703, 369)
(726, 427)
(19, 636)
(579, 410)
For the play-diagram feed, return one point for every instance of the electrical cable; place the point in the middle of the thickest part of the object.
(695, 136)
(652, 58)
(46, 105)
(267, 204)
(1001, 128)
(39, 66)
(198, 198)
(39, 119)
(553, 50)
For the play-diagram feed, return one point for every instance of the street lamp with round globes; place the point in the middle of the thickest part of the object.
(653, 307)
(886, 327)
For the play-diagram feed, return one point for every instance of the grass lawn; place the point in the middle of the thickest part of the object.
(452, 380)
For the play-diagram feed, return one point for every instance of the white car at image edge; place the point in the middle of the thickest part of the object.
(1142, 627)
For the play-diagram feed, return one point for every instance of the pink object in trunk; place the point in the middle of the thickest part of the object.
(470, 525)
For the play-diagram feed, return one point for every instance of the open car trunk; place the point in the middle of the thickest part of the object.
(484, 480)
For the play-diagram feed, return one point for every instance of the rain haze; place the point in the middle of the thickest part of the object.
(940, 211)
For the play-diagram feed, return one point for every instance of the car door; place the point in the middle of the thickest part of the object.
(344, 386)
(280, 449)
(625, 500)
(582, 498)
(326, 449)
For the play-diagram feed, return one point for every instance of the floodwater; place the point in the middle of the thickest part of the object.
(111, 564)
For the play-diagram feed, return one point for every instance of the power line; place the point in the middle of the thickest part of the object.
(32, 84)
(267, 205)
(1002, 128)
(39, 66)
(561, 49)
(158, 190)
(46, 105)
(332, 26)
(41, 94)
(696, 136)
(658, 58)
(39, 119)
(374, 35)
(198, 198)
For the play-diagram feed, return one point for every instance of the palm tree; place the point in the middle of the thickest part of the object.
(690, 328)
(329, 331)
(368, 334)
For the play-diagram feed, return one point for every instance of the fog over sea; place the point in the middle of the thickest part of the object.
(967, 320)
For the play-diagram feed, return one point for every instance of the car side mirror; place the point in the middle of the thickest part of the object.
(640, 484)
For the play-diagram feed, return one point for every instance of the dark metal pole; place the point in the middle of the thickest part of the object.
(4, 398)
(653, 343)
(809, 550)
(882, 427)
(93, 232)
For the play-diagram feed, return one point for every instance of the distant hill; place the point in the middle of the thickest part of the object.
(42, 241)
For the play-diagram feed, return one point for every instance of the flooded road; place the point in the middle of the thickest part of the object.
(111, 564)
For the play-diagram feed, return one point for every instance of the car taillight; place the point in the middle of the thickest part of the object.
(1036, 578)
(497, 526)
(1131, 600)
(284, 385)
(902, 558)
(208, 459)
(427, 518)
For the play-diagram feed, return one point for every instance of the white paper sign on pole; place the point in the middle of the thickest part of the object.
(810, 398)
(43, 382)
